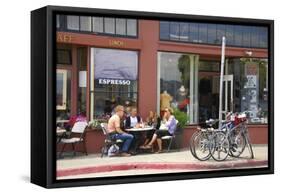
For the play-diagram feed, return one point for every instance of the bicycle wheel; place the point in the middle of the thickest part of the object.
(237, 143)
(200, 146)
(219, 148)
(191, 143)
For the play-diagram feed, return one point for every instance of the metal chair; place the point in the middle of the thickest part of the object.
(78, 128)
(171, 138)
(109, 141)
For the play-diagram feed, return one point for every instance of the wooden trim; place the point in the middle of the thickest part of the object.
(88, 83)
(74, 82)
(208, 50)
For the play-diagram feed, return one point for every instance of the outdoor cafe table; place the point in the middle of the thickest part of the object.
(61, 122)
(136, 132)
(60, 134)
(147, 128)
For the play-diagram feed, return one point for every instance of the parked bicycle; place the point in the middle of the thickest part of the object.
(230, 140)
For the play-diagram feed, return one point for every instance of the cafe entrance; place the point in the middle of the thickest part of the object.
(227, 94)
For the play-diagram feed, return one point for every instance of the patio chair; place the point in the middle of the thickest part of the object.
(78, 128)
(171, 138)
(109, 141)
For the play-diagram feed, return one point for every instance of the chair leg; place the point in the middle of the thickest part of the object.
(177, 144)
(170, 144)
(62, 150)
(85, 148)
(73, 148)
(102, 152)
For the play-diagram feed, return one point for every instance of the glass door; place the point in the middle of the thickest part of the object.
(227, 94)
(61, 89)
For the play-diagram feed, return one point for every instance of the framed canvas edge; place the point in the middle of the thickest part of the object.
(51, 181)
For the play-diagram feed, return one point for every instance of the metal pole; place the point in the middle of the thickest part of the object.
(221, 80)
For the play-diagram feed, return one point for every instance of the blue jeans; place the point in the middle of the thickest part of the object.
(127, 140)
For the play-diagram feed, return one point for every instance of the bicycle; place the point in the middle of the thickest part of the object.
(230, 140)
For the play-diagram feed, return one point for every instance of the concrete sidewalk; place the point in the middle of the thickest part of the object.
(180, 161)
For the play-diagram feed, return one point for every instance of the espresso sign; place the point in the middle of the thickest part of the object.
(114, 82)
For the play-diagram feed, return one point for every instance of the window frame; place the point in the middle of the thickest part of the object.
(64, 89)
(63, 26)
(92, 80)
(232, 44)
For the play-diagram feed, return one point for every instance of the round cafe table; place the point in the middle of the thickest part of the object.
(60, 134)
(146, 128)
(136, 132)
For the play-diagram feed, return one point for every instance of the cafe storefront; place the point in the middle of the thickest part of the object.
(102, 62)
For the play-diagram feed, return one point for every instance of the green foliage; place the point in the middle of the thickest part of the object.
(181, 117)
(183, 66)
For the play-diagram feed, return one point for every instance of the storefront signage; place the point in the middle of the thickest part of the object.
(64, 38)
(251, 81)
(82, 79)
(116, 43)
(252, 89)
(114, 82)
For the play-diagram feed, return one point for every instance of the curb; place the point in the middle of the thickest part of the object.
(159, 166)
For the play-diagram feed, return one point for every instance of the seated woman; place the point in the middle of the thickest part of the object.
(152, 120)
(170, 124)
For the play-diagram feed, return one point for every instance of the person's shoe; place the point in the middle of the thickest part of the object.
(147, 147)
(133, 153)
(159, 152)
(142, 147)
(125, 154)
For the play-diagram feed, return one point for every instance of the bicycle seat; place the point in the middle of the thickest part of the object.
(211, 122)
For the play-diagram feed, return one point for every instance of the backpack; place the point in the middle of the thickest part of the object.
(113, 150)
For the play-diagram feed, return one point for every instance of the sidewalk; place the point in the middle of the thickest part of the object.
(181, 161)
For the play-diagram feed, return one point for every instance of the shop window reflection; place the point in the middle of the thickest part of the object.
(250, 87)
(177, 89)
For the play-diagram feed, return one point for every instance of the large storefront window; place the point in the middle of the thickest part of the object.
(63, 82)
(177, 85)
(250, 87)
(114, 75)
(208, 89)
(98, 25)
(203, 33)
(63, 90)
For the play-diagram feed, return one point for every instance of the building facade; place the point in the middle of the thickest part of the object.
(103, 61)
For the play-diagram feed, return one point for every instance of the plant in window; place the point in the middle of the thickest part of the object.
(183, 66)
(182, 117)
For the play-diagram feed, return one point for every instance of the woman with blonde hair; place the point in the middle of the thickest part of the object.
(171, 126)
(152, 120)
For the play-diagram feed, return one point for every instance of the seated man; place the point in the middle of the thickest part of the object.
(170, 124)
(133, 121)
(116, 132)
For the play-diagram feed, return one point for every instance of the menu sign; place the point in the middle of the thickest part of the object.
(251, 89)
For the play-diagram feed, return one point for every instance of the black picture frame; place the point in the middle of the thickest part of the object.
(43, 41)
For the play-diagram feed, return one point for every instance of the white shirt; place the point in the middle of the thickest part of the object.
(134, 121)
